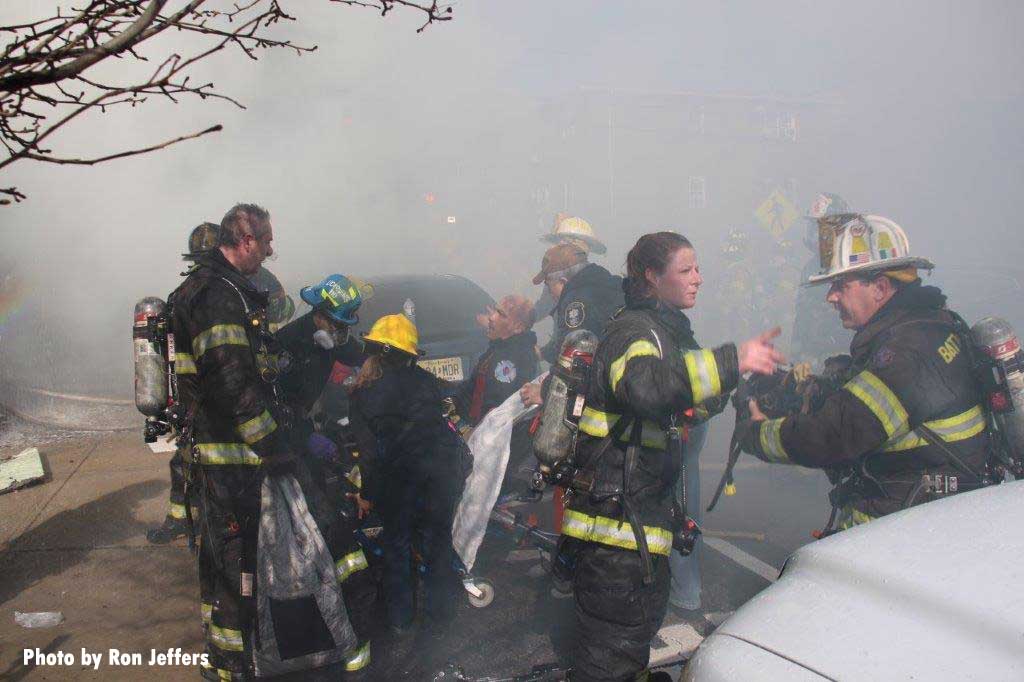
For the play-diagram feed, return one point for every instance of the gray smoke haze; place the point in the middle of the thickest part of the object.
(516, 110)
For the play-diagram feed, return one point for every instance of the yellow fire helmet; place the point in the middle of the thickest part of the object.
(851, 243)
(575, 231)
(394, 332)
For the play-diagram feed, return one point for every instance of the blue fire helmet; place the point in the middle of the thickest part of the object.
(336, 296)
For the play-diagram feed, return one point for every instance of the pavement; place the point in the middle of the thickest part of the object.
(76, 544)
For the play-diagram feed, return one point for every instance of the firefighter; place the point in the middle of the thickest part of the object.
(509, 361)
(618, 531)
(309, 346)
(413, 466)
(237, 424)
(585, 297)
(280, 306)
(816, 332)
(907, 425)
(202, 239)
(568, 230)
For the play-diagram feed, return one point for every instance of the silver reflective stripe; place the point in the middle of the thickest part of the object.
(184, 363)
(951, 429)
(702, 371)
(771, 441)
(227, 453)
(599, 424)
(219, 335)
(882, 402)
(257, 428)
(226, 638)
(614, 533)
(349, 564)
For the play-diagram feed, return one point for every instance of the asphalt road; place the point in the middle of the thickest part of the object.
(76, 544)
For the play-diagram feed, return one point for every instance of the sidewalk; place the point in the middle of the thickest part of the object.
(76, 544)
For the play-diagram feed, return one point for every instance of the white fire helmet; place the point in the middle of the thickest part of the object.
(850, 242)
(576, 231)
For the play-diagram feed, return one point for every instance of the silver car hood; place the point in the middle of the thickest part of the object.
(933, 592)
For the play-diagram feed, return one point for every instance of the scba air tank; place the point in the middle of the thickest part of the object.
(563, 403)
(150, 363)
(995, 338)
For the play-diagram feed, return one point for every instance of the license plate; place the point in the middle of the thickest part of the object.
(449, 369)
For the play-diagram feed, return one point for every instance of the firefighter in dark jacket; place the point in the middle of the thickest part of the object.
(413, 466)
(509, 361)
(309, 347)
(238, 426)
(907, 426)
(644, 377)
(201, 240)
(586, 295)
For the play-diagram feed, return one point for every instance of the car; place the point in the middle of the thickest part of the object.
(444, 308)
(933, 592)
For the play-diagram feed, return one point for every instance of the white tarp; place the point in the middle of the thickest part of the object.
(490, 443)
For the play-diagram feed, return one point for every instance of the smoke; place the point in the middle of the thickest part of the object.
(387, 151)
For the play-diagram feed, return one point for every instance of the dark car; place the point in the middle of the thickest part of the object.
(444, 308)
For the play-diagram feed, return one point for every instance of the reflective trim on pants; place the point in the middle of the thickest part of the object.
(226, 638)
(176, 511)
(614, 533)
(206, 612)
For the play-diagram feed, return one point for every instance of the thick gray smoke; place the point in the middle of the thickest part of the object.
(634, 115)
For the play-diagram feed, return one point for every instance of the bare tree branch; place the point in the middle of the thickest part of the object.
(43, 63)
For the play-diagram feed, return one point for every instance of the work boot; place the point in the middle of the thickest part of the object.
(171, 529)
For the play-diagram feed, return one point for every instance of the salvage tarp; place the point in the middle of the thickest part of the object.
(490, 443)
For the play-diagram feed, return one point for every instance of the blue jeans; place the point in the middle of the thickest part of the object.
(685, 586)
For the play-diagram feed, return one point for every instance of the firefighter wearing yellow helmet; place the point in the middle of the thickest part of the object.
(413, 466)
(574, 230)
(907, 425)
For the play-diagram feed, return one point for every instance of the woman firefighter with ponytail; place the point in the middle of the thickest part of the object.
(619, 525)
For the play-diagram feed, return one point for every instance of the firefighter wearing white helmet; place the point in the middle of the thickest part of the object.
(906, 424)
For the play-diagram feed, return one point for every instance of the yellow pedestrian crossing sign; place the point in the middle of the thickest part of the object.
(777, 213)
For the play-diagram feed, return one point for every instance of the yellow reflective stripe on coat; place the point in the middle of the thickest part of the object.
(882, 402)
(703, 374)
(219, 335)
(636, 349)
(226, 638)
(184, 363)
(599, 424)
(612, 532)
(771, 441)
(349, 564)
(850, 517)
(257, 428)
(227, 453)
(951, 429)
(359, 660)
(206, 611)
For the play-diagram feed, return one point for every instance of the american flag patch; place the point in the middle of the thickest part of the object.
(857, 258)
